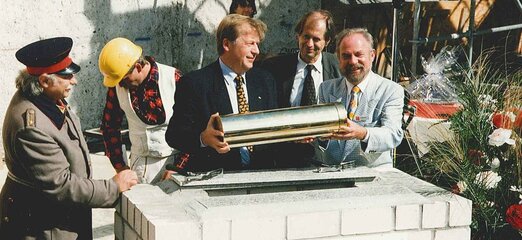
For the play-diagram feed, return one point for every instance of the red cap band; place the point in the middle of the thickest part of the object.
(50, 69)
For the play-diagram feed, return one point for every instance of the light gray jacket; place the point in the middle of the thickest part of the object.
(379, 110)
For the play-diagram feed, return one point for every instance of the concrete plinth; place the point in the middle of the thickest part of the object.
(295, 204)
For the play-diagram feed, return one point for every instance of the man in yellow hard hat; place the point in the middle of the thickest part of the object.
(49, 190)
(143, 90)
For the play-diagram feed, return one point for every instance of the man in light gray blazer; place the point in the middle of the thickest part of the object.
(374, 108)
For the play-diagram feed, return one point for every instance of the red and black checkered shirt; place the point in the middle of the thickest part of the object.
(146, 102)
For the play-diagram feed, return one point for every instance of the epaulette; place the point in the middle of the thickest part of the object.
(30, 118)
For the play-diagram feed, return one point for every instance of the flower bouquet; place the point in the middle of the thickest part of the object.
(482, 160)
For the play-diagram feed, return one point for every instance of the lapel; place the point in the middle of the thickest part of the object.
(75, 130)
(255, 89)
(339, 92)
(219, 91)
(288, 80)
(327, 71)
(367, 96)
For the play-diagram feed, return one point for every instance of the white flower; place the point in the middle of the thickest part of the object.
(488, 178)
(494, 164)
(501, 136)
(515, 189)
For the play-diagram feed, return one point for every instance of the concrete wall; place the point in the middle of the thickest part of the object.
(176, 32)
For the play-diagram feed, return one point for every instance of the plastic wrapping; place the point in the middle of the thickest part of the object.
(434, 86)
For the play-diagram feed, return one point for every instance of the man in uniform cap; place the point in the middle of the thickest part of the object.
(49, 193)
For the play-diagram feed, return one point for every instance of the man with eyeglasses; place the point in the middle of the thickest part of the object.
(143, 90)
(49, 191)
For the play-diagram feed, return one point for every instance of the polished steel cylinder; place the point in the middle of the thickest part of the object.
(280, 125)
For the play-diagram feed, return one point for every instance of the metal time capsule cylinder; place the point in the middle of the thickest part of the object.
(281, 125)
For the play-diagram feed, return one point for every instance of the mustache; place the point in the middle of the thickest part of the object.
(353, 67)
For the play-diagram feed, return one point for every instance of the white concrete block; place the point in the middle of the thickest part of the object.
(420, 235)
(129, 233)
(435, 215)
(161, 229)
(130, 213)
(367, 220)
(124, 207)
(118, 225)
(460, 233)
(216, 230)
(137, 222)
(459, 211)
(373, 236)
(263, 228)
(313, 225)
(407, 217)
(118, 206)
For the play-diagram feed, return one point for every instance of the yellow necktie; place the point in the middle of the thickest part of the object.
(353, 102)
(242, 103)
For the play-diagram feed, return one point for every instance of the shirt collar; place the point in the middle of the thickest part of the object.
(228, 74)
(50, 109)
(318, 65)
(362, 85)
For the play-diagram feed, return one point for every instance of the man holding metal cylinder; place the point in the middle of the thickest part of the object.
(374, 105)
(299, 75)
(229, 85)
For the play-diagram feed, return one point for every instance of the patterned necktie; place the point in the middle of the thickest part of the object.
(308, 97)
(242, 106)
(353, 102)
(242, 103)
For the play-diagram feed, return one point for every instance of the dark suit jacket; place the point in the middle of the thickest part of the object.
(202, 93)
(283, 68)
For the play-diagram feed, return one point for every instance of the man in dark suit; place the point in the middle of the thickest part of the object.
(299, 75)
(222, 87)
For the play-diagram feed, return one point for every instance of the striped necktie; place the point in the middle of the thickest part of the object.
(353, 102)
(242, 106)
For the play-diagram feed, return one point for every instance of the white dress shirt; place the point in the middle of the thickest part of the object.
(300, 74)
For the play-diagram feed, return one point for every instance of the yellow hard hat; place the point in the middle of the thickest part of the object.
(116, 59)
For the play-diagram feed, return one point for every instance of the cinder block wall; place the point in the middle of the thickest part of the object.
(176, 32)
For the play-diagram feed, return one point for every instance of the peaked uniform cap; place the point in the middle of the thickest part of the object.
(48, 56)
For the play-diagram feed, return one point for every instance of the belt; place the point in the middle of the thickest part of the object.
(20, 181)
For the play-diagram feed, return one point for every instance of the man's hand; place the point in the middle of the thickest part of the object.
(305, 140)
(125, 180)
(213, 137)
(350, 131)
(166, 174)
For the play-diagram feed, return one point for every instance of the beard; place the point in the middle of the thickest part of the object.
(352, 76)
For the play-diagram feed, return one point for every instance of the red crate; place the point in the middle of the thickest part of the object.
(441, 110)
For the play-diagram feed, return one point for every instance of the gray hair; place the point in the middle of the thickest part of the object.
(350, 31)
(29, 84)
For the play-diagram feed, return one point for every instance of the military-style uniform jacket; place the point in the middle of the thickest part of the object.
(49, 192)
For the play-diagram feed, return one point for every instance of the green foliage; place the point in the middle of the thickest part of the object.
(457, 162)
